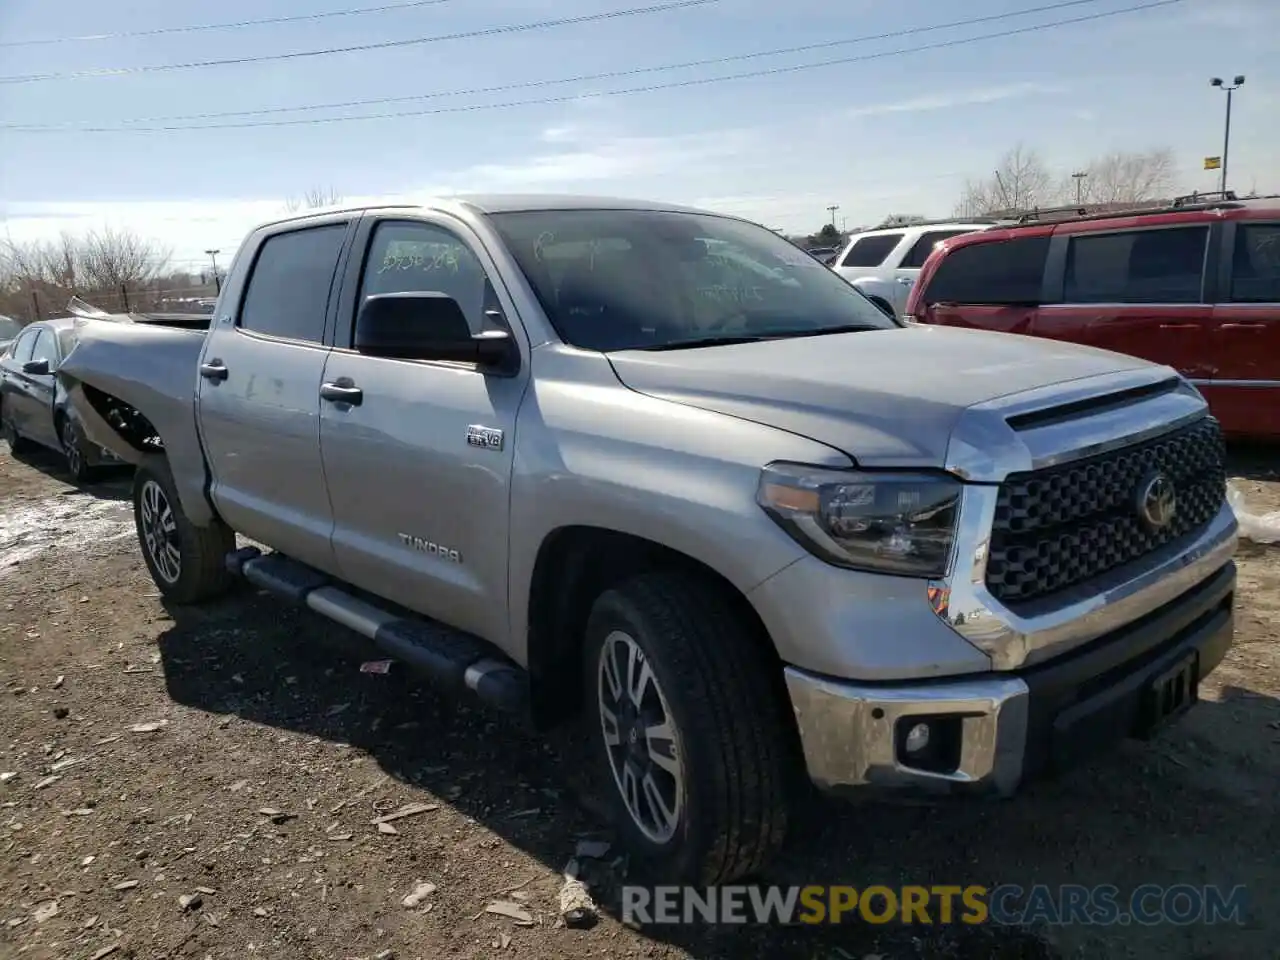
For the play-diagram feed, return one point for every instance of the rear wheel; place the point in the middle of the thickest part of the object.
(17, 443)
(187, 563)
(687, 733)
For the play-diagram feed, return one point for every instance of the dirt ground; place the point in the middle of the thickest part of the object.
(236, 754)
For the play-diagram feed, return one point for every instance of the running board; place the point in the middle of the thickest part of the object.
(440, 653)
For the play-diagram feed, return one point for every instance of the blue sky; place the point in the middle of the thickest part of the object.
(896, 134)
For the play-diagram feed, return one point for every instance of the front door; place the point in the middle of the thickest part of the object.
(1245, 389)
(1138, 292)
(38, 389)
(419, 470)
(260, 395)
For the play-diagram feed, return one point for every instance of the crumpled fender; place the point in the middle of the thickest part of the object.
(152, 369)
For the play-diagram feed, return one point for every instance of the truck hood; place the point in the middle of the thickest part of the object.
(884, 397)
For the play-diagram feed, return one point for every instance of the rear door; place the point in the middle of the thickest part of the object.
(1138, 291)
(1244, 390)
(16, 403)
(39, 421)
(259, 397)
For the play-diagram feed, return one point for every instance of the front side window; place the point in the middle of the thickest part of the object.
(1255, 267)
(1138, 266)
(626, 279)
(1000, 272)
(870, 251)
(288, 293)
(45, 347)
(22, 349)
(422, 257)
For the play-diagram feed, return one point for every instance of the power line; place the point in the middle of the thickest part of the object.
(585, 78)
(626, 91)
(364, 47)
(229, 25)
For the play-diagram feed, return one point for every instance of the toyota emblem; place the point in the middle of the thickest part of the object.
(1157, 502)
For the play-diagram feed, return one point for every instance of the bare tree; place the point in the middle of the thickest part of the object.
(1020, 181)
(1122, 177)
(314, 198)
(110, 258)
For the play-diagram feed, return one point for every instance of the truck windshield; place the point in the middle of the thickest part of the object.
(648, 279)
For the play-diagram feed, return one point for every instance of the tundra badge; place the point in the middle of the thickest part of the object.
(486, 437)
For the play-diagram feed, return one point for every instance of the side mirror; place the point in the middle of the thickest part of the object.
(36, 368)
(426, 326)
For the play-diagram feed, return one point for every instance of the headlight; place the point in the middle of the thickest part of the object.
(901, 523)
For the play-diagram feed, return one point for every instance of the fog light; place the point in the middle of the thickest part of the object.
(917, 738)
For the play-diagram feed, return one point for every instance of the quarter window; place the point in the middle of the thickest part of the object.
(288, 293)
(1000, 272)
(921, 249)
(1255, 267)
(1139, 266)
(870, 251)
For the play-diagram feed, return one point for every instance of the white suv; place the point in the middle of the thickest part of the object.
(884, 263)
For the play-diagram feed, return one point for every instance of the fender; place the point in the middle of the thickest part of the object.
(125, 381)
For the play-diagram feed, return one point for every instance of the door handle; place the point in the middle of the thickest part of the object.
(213, 370)
(1255, 325)
(906, 281)
(342, 391)
(1179, 326)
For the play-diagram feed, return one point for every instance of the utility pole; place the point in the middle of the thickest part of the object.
(832, 210)
(1079, 179)
(217, 280)
(1003, 192)
(1231, 88)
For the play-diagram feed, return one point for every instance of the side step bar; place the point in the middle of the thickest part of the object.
(440, 653)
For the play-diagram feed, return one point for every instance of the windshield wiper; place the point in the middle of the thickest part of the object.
(823, 331)
(704, 342)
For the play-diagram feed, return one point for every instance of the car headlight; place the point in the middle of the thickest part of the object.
(900, 523)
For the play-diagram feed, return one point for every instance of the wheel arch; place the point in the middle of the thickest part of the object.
(574, 565)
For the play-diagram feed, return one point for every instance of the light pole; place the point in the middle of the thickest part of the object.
(1231, 88)
(832, 210)
(213, 258)
(1079, 179)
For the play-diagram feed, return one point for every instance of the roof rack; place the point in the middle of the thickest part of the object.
(1227, 196)
(1038, 214)
(890, 224)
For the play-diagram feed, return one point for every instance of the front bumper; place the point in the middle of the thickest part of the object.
(1015, 726)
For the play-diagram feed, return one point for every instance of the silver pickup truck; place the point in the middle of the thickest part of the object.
(659, 473)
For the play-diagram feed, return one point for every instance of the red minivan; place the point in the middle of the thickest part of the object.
(1195, 286)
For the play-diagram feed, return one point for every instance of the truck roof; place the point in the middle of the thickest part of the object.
(487, 203)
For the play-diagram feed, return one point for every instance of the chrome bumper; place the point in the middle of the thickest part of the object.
(847, 731)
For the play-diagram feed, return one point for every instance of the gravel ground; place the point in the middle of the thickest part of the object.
(202, 783)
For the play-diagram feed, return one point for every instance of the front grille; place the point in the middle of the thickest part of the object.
(1059, 527)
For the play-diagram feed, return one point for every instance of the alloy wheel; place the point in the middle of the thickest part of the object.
(640, 738)
(160, 532)
(71, 449)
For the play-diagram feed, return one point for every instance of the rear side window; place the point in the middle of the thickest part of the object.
(921, 249)
(1006, 271)
(1255, 267)
(871, 251)
(289, 289)
(22, 349)
(1139, 266)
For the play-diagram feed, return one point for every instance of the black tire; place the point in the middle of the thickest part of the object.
(73, 449)
(730, 735)
(17, 443)
(187, 563)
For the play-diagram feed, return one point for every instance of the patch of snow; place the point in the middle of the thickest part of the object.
(70, 523)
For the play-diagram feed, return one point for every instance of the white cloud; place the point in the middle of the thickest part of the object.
(963, 98)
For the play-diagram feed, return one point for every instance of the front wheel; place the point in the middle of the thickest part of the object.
(187, 563)
(687, 730)
(73, 450)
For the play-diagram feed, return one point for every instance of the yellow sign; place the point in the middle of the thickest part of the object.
(1212, 163)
